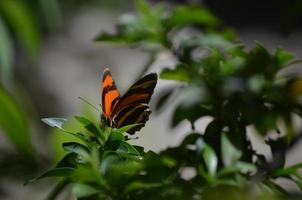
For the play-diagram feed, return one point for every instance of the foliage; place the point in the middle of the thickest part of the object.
(218, 77)
(21, 25)
(18, 131)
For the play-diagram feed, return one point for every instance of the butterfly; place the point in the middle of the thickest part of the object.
(130, 108)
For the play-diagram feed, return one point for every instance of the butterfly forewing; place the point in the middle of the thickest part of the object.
(140, 92)
(110, 94)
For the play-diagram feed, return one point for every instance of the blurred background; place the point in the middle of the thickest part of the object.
(48, 58)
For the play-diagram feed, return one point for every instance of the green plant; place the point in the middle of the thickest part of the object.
(217, 77)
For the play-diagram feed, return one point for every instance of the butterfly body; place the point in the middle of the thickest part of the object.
(132, 107)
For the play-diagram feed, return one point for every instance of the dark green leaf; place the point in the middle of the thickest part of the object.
(191, 113)
(68, 161)
(282, 57)
(88, 125)
(186, 15)
(77, 148)
(6, 55)
(56, 172)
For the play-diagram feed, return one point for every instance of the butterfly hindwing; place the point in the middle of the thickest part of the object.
(140, 92)
(110, 94)
(132, 114)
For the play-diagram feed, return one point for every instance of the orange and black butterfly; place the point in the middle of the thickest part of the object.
(132, 107)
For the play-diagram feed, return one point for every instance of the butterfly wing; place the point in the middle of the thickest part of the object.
(140, 92)
(110, 94)
(136, 113)
(132, 107)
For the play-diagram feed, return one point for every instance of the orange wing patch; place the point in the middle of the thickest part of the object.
(110, 94)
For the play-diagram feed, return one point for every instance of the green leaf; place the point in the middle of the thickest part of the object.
(52, 13)
(68, 160)
(88, 125)
(180, 73)
(56, 172)
(127, 148)
(23, 23)
(282, 57)
(116, 136)
(187, 15)
(246, 167)
(210, 159)
(84, 190)
(288, 171)
(143, 7)
(126, 128)
(117, 170)
(77, 148)
(230, 154)
(6, 55)
(14, 124)
(139, 185)
(87, 174)
(55, 122)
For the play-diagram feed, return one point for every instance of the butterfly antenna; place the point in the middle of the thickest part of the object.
(86, 101)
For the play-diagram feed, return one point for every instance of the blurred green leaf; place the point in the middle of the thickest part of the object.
(139, 185)
(84, 190)
(229, 153)
(23, 23)
(6, 55)
(282, 57)
(186, 15)
(56, 172)
(52, 12)
(180, 73)
(191, 113)
(14, 124)
(210, 159)
(87, 174)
